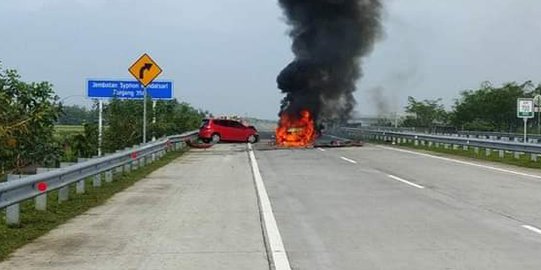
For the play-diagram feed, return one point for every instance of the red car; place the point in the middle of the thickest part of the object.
(216, 130)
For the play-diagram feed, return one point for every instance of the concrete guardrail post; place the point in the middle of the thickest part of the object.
(141, 162)
(465, 147)
(416, 142)
(455, 146)
(534, 157)
(64, 192)
(517, 155)
(109, 176)
(127, 167)
(476, 150)
(41, 200)
(430, 144)
(488, 151)
(118, 170)
(134, 164)
(80, 185)
(96, 180)
(13, 212)
(501, 153)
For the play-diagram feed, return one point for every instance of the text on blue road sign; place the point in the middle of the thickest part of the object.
(105, 89)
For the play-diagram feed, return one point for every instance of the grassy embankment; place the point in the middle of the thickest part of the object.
(509, 158)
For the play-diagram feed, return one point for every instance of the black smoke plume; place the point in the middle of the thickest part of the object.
(329, 39)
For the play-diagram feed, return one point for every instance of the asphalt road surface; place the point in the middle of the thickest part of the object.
(372, 207)
(379, 208)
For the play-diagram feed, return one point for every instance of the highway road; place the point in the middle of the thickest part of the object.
(372, 207)
(381, 208)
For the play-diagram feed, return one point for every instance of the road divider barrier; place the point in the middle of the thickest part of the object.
(448, 142)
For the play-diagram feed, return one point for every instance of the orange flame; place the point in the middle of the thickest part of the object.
(296, 131)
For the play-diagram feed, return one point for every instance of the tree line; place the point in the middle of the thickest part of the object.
(487, 108)
(30, 111)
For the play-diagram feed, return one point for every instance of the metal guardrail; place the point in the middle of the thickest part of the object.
(16, 191)
(419, 138)
(504, 136)
(499, 135)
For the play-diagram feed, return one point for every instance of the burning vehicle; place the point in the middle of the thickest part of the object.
(329, 39)
(296, 131)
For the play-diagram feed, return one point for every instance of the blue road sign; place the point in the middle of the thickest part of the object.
(106, 89)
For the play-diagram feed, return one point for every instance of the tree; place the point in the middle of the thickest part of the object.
(28, 112)
(77, 115)
(124, 119)
(424, 114)
(490, 108)
(81, 145)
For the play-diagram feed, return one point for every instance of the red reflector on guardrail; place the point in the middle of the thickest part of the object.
(41, 186)
(134, 155)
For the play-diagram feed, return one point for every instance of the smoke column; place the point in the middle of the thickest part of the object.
(329, 39)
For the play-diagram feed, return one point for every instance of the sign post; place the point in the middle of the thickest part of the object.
(537, 104)
(100, 126)
(145, 70)
(525, 110)
(101, 90)
(154, 118)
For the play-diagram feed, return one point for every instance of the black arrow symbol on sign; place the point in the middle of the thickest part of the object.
(147, 67)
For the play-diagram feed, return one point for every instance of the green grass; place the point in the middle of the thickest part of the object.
(36, 223)
(67, 130)
(523, 161)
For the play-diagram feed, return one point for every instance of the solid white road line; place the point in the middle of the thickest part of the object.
(462, 162)
(349, 160)
(532, 228)
(275, 244)
(405, 181)
(321, 149)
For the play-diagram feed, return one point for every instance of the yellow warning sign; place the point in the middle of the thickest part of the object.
(145, 70)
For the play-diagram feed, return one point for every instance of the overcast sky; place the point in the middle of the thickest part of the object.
(224, 55)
